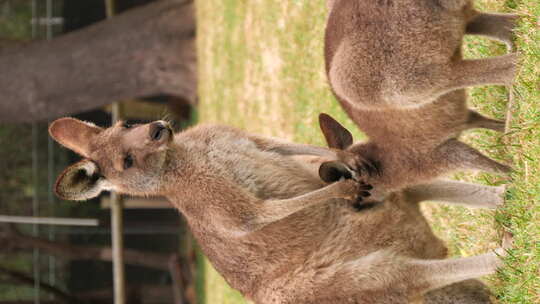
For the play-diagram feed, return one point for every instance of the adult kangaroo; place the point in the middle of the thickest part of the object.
(396, 68)
(267, 222)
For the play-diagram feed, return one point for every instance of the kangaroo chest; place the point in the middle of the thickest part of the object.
(266, 175)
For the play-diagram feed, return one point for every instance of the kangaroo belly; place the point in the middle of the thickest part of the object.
(360, 239)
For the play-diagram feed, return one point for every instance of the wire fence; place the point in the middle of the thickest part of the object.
(45, 24)
(37, 20)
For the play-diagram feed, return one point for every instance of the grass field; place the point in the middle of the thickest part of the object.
(261, 69)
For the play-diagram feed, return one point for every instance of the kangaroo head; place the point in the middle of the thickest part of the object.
(338, 138)
(124, 158)
(348, 164)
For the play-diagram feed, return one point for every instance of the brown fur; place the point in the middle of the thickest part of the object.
(404, 53)
(397, 70)
(267, 222)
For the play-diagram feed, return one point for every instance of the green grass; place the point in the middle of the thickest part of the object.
(261, 68)
(14, 20)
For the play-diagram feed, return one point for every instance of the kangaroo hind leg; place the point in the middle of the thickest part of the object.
(477, 120)
(496, 26)
(461, 193)
(433, 274)
(463, 157)
(396, 276)
(499, 70)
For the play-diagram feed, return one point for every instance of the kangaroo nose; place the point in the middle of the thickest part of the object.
(159, 130)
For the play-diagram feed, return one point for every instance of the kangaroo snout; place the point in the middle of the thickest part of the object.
(160, 131)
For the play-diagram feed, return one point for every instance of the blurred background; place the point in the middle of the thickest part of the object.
(70, 262)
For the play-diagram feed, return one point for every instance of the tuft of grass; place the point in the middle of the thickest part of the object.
(261, 69)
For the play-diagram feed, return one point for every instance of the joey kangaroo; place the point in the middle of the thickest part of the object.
(396, 68)
(267, 222)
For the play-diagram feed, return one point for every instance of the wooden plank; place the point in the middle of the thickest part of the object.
(48, 220)
(139, 203)
(117, 227)
(140, 109)
(117, 220)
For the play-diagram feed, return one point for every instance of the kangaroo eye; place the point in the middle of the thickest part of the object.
(128, 162)
(125, 125)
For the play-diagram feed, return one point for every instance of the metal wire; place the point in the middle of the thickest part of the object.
(35, 200)
(35, 211)
(117, 210)
(50, 165)
(61, 221)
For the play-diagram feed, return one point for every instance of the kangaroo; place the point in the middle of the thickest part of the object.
(267, 222)
(396, 68)
(404, 53)
(339, 138)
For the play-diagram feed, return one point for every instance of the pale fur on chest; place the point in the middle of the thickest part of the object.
(263, 174)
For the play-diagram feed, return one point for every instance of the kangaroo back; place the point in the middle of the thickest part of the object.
(403, 53)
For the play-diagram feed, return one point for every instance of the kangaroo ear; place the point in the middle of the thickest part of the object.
(74, 134)
(332, 171)
(336, 135)
(81, 181)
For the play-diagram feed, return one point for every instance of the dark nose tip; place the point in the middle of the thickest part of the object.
(157, 130)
